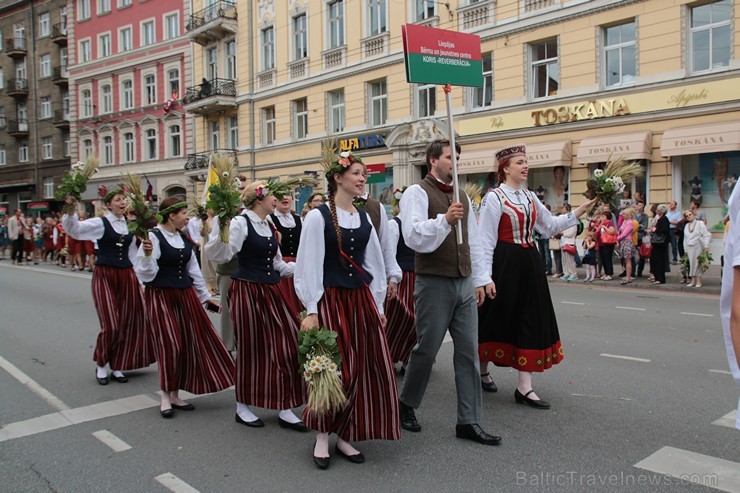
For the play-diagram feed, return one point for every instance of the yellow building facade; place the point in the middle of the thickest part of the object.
(576, 81)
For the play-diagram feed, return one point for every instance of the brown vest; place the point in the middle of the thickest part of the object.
(372, 207)
(450, 259)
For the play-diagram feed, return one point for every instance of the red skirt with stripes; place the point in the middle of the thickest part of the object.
(368, 378)
(401, 327)
(289, 296)
(124, 340)
(190, 353)
(266, 337)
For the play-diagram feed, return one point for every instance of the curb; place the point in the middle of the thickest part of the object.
(642, 283)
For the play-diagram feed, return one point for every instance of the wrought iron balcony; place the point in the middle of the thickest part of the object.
(16, 47)
(59, 34)
(3, 122)
(60, 76)
(210, 96)
(17, 128)
(212, 23)
(61, 119)
(17, 88)
(201, 160)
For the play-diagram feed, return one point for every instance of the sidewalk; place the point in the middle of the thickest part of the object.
(710, 280)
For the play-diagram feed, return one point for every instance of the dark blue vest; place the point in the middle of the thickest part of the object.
(256, 257)
(173, 264)
(289, 237)
(404, 255)
(339, 272)
(113, 247)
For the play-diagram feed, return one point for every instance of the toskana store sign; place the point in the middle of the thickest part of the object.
(590, 110)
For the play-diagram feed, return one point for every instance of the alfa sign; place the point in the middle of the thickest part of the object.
(439, 56)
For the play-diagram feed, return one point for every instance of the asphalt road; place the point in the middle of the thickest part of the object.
(635, 424)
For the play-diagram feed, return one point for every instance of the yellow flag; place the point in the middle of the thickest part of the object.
(212, 177)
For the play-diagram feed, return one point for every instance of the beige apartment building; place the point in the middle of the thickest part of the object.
(576, 81)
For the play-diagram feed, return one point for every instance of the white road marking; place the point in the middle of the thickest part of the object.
(697, 314)
(32, 385)
(691, 467)
(174, 484)
(75, 416)
(49, 271)
(572, 303)
(111, 440)
(630, 308)
(722, 372)
(629, 358)
(728, 420)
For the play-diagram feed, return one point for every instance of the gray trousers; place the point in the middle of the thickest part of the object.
(227, 328)
(444, 303)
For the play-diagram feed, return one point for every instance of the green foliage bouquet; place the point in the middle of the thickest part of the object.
(223, 196)
(608, 184)
(74, 181)
(138, 207)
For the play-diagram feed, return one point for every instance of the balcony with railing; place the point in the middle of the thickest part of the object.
(16, 47)
(61, 119)
(532, 6)
(60, 76)
(334, 58)
(59, 34)
(475, 15)
(298, 69)
(212, 23)
(197, 164)
(17, 88)
(376, 45)
(3, 123)
(17, 128)
(267, 78)
(210, 96)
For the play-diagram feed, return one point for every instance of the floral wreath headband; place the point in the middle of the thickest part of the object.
(107, 195)
(162, 215)
(275, 187)
(333, 163)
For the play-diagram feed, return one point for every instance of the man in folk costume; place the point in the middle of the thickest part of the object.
(450, 282)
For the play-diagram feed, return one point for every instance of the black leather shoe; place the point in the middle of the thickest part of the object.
(257, 423)
(299, 426)
(321, 462)
(357, 458)
(121, 379)
(408, 417)
(475, 433)
(101, 380)
(186, 407)
(523, 399)
(167, 413)
(490, 386)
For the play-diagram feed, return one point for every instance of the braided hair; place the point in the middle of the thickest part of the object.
(332, 186)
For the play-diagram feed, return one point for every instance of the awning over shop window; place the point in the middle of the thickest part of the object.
(700, 139)
(476, 162)
(549, 154)
(638, 145)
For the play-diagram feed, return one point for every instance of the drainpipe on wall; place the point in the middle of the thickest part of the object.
(35, 99)
(251, 93)
(191, 134)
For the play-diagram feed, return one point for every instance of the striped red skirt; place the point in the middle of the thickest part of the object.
(367, 370)
(401, 327)
(124, 340)
(289, 296)
(190, 353)
(266, 337)
(73, 246)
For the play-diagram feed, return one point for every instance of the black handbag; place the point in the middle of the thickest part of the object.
(658, 239)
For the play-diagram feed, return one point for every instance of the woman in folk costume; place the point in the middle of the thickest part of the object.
(190, 354)
(265, 326)
(399, 310)
(288, 225)
(124, 342)
(517, 327)
(340, 279)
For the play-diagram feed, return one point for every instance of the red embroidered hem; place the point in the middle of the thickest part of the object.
(533, 360)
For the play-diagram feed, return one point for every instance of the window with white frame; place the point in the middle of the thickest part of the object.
(175, 140)
(2, 76)
(336, 111)
(3, 155)
(620, 47)
(268, 129)
(150, 89)
(63, 17)
(300, 118)
(48, 186)
(231, 60)
(711, 36)
(23, 151)
(1, 38)
(127, 94)
(545, 69)
(44, 25)
(150, 144)
(67, 145)
(103, 6)
(378, 103)
(64, 60)
(104, 46)
(335, 11)
(45, 65)
(65, 103)
(147, 33)
(426, 100)
(232, 132)
(124, 3)
(377, 16)
(125, 38)
(85, 51)
(106, 98)
(107, 150)
(300, 37)
(212, 63)
(268, 48)
(86, 106)
(87, 148)
(424, 9)
(128, 147)
(172, 25)
(83, 10)
(483, 96)
(20, 69)
(22, 111)
(173, 81)
(45, 107)
(47, 148)
(215, 134)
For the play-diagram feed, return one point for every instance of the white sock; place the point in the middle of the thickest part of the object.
(101, 372)
(118, 373)
(287, 415)
(245, 413)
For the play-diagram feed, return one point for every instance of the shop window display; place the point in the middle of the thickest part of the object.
(550, 184)
(710, 179)
(383, 190)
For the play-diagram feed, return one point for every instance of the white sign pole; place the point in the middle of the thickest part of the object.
(455, 182)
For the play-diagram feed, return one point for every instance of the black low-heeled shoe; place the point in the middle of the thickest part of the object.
(321, 462)
(257, 423)
(101, 380)
(167, 413)
(186, 407)
(523, 399)
(488, 386)
(299, 426)
(357, 458)
(122, 379)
